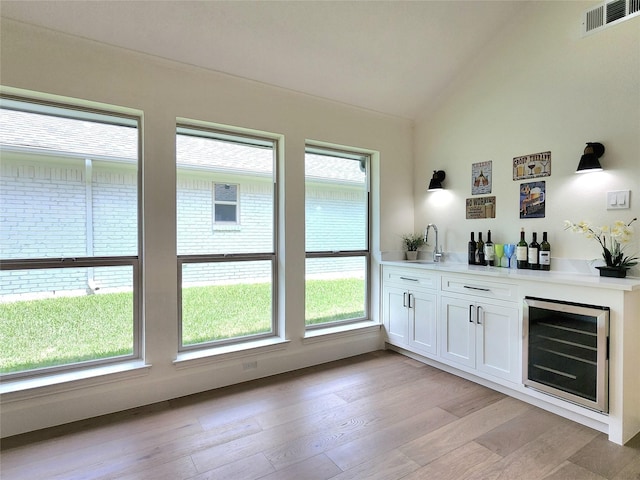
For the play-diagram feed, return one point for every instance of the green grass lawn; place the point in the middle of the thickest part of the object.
(227, 311)
(58, 331)
(332, 300)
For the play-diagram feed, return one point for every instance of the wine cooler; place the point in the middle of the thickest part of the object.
(565, 351)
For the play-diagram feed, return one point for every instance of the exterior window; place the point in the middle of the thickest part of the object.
(225, 199)
(226, 274)
(70, 269)
(337, 237)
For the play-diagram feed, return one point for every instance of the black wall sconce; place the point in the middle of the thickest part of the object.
(589, 161)
(436, 180)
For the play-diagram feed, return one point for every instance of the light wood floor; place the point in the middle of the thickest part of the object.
(375, 416)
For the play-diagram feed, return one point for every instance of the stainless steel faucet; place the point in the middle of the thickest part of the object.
(437, 253)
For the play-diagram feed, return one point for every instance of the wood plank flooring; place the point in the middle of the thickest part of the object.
(375, 416)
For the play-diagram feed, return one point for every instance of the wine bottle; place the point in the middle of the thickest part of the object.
(489, 252)
(544, 256)
(534, 250)
(472, 251)
(521, 251)
(480, 250)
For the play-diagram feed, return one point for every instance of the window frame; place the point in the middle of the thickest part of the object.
(73, 109)
(235, 203)
(353, 154)
(228, 133)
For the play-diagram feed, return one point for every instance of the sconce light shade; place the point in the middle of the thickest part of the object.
(589, 161)
(436, 180)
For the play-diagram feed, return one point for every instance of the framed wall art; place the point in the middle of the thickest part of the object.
(532, 166)
(532, 200)
(481, 178)
(481, 207)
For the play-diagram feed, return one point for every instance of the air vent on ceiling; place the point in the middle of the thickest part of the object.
(609, 13)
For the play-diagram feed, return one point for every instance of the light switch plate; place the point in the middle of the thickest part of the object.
(618, 200)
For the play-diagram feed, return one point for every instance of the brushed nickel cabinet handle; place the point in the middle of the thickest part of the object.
(477, 288)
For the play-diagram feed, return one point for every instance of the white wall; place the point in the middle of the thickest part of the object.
(538, 86)
(44, 61)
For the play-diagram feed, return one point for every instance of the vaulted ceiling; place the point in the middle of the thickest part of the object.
(394, 57)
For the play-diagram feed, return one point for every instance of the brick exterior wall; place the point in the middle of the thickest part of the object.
(44, 214)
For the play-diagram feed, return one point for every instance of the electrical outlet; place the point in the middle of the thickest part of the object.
(250, 365)
(618, 200)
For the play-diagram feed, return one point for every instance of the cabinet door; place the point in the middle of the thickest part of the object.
(422, 321)
(457, 331)
(395, 314)
(498, 341)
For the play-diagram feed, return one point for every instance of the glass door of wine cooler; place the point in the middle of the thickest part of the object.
(566, 351)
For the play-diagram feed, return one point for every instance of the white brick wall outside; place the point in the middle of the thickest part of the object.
(44, 214)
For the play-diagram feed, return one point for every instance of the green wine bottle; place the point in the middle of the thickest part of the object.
(545, 253)
(522, 251)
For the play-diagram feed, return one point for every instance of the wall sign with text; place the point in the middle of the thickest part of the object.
(532, 166)
(481, 207)
(481, 178)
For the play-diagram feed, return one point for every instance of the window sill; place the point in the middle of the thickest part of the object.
(228, 352)
(26, 388)
(331, 333)
(232, 227)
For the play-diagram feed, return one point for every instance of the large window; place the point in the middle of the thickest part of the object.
(337, 236)
(69, 242)
(226, 260)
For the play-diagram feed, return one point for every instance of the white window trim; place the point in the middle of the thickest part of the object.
(332, 331)
(211, 355)
(60, 106)
(216, 224)
(40, 386)
(208, 352)
(329, 328)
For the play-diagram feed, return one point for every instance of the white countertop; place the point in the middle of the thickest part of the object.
(558, 277)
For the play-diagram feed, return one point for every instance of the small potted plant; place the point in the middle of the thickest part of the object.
(617, 262)
(412, 242)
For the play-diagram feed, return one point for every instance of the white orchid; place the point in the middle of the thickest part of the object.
(619, 234)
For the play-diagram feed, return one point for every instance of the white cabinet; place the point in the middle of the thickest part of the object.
(423, 322)
(466, 323)
(409, 309)
(498, 341)
(458, 332)
(478, 327)
(478, 332)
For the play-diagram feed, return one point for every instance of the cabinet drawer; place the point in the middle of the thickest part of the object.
(410, 277)
(480, 288)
